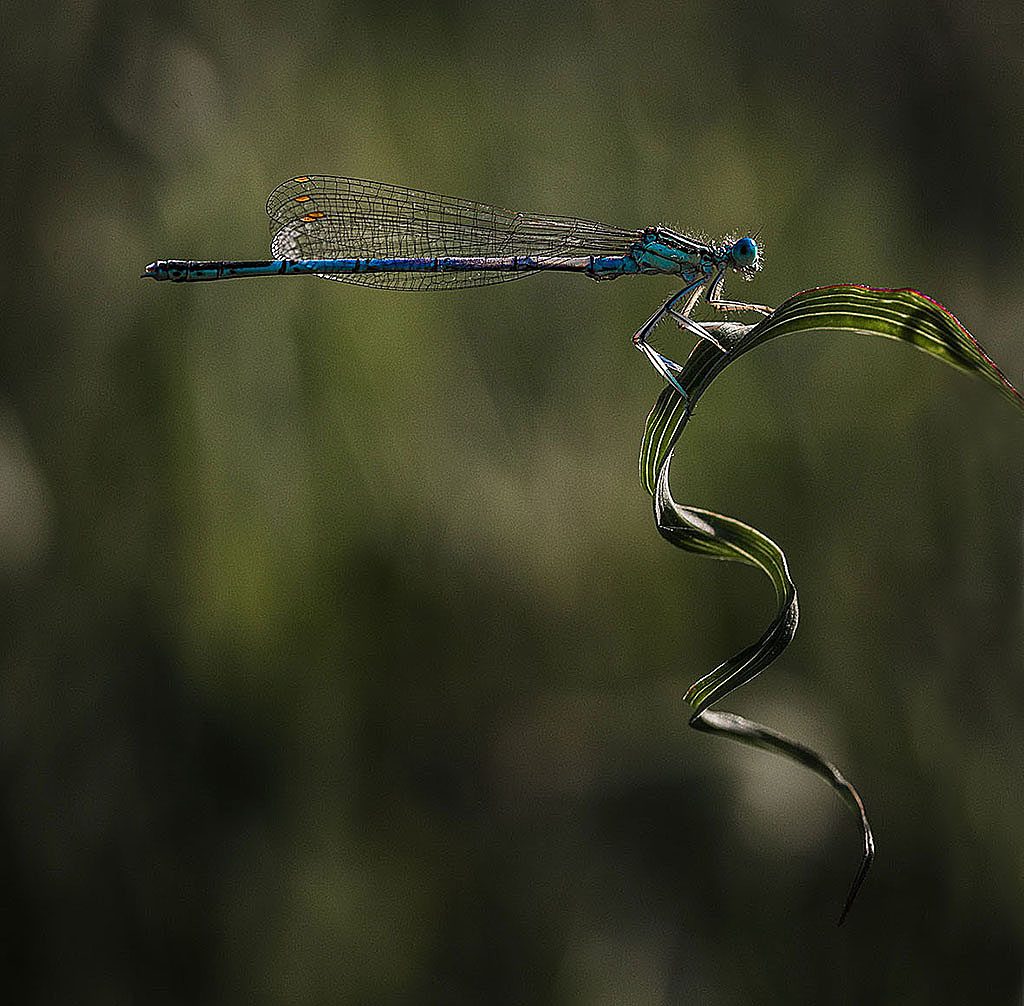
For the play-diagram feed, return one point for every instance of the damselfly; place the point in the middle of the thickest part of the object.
(394, 238)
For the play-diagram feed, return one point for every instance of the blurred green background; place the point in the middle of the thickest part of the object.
(342, 662)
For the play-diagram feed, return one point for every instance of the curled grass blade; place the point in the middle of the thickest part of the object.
(894, 314)
(906, 315)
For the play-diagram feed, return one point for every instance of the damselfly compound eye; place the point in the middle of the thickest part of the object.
(744, 252)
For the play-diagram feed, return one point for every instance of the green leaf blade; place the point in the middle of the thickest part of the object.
(905, 315)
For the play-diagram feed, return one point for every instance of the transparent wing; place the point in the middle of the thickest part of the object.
(321, 216)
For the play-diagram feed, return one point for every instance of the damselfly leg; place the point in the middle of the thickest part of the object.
(662, 364)
(716, 301)
(679, 307)
(681, 316)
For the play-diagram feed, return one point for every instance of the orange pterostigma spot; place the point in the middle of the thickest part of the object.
(312, 216)
(304, 178)
(303, 199)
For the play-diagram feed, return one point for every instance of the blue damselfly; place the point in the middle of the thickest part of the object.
(384, 236)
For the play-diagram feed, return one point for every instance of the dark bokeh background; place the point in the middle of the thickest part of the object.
(342, 662)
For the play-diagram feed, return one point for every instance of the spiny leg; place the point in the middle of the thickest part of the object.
(682, 318)
(715, 298)
(708, 329)
(662, 364)
(721, 334)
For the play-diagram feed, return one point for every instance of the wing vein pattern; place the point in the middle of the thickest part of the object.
(326, 217)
